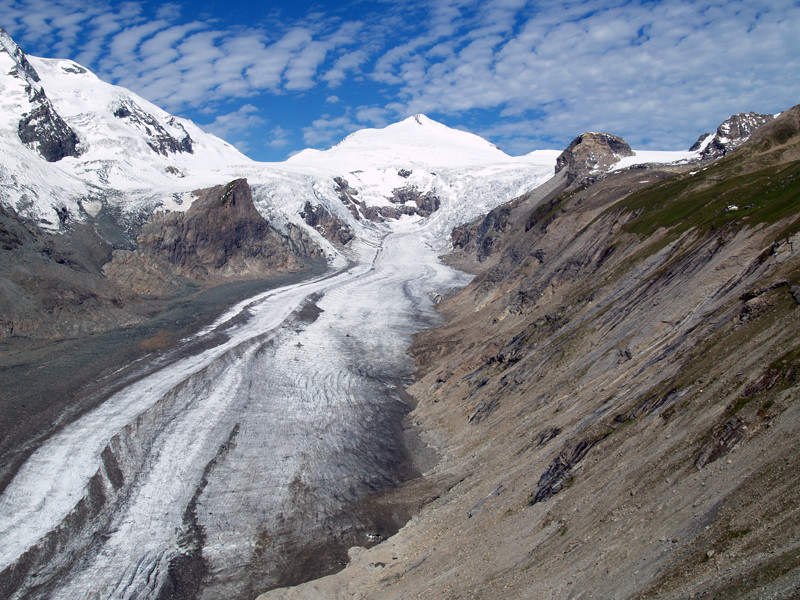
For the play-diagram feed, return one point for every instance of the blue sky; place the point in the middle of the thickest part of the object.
(277, 77)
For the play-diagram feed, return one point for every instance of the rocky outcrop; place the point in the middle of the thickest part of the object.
(332, 228)
(142, 274)
(41, 127)
(407, 200)
(348, 196)
(44, 129)
(221, 237)
(23, 68)
(591, 154)
(414, 202)
(483, 237)
(158, 138)
(478, 245)
(731, 134)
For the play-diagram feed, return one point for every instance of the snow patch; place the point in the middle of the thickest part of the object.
(655, 156)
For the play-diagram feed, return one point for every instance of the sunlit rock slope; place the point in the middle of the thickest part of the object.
(614, 398)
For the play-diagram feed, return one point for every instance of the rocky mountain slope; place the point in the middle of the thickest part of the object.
(614, 397)
(731, 134)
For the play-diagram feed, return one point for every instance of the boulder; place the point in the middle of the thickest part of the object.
(590, 155)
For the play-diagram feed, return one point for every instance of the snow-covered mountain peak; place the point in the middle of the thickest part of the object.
(72, 143)
(731, 134)
(415, 140)
(115, 150)
(414, 171)
(74, 146)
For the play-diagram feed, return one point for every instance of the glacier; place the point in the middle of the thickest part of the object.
(273, 433)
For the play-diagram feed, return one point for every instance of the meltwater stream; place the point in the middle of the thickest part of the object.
(219, 474)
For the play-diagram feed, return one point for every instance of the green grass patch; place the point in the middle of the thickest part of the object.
(765, 196)
(737, 405)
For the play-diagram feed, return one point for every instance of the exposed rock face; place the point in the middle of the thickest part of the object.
(331, 227)
(221, 236)
(591, 154)
(24, 69)
(477, 245)
(408, 200)
(51, 285)
(348, 196)
(778, 133)
(41, 127)
(46, 131)
(142, 274)
(485, 234)
(731, 134)
(415, 202)
(158, 138)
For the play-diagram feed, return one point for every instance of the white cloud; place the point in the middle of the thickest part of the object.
(279, 137)
(652, 72)
(184, 64)
(347, 63)
(374, 116)
(326, 130)
(127, 42)
(169, 10)
(303, 66)
(596, 68)
(234, 123)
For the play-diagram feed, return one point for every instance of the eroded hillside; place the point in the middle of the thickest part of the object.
(614, 395)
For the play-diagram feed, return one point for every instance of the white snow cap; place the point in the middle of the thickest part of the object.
(417, 139)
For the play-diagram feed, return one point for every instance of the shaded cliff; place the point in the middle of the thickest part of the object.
(220, 237)
(614, 400)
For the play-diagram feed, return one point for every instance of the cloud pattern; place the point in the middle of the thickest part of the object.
(524, 74)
